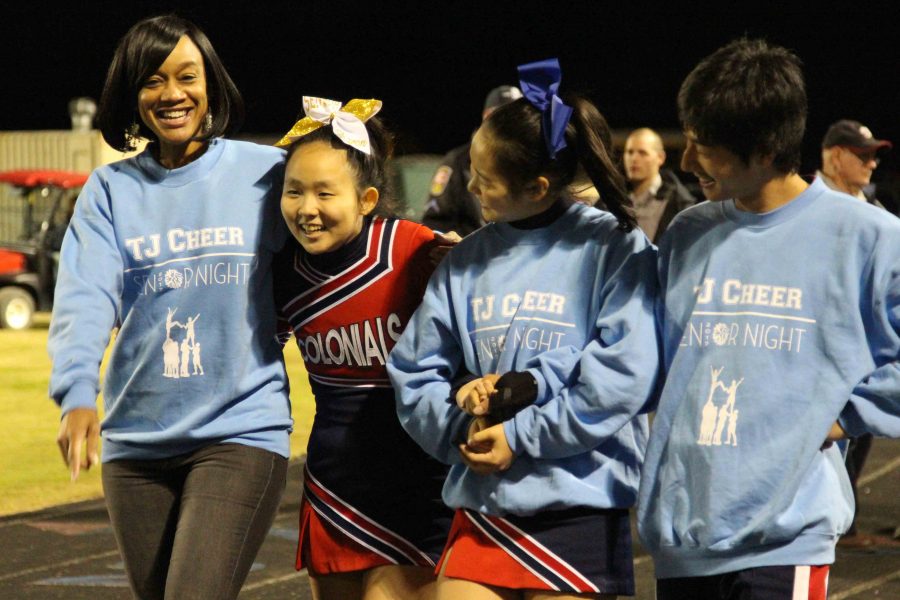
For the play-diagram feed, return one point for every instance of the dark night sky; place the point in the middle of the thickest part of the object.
(432, 63)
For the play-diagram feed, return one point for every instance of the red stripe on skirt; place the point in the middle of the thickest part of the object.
(475, 557)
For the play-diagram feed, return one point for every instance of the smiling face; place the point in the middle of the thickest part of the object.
(721, 173)
(172, 103)
(320, 201)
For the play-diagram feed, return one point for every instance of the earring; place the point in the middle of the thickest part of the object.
(131, 136)
(208, 122)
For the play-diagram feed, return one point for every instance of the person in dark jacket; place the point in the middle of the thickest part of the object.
(450, 206)
(656, 193)
(849, 156)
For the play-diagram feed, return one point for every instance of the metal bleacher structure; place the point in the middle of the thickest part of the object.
(74, 151)
(77, 150)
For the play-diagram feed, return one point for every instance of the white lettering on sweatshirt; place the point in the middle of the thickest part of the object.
(183, 240)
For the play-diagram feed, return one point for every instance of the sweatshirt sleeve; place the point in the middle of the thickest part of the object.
(423, 366)
(87, 300)
(615, 373)
(874, 404)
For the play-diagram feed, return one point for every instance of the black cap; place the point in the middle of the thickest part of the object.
(852, 134)
(501, 95)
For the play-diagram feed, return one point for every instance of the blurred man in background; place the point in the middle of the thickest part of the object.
(849, 156)
(656, 193)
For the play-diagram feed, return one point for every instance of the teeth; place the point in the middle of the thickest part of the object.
(173, 114)
(311, 228)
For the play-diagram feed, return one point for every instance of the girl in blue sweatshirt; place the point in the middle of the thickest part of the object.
(557, 297)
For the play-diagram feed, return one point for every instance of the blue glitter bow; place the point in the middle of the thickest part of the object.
(540, 82)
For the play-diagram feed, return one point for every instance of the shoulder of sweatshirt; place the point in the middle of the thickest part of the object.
(831, 209)
(581, 224)
(843, 208)
(699, 214)
(262, 151)
(244, 155)
(600, 227)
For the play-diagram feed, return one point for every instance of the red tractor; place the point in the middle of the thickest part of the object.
(34, 215)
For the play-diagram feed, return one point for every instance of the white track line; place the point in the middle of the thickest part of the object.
(57, 565)
(864, 587)
(884, 470)
(274, 580)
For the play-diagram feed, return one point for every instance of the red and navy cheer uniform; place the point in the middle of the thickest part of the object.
(371, 496)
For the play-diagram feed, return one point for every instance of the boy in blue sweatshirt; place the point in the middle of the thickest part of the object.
(780, 318)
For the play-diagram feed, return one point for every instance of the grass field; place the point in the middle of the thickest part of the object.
(32, 473)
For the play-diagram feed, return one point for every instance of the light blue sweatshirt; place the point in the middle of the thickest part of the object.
(572, 302)
(179, 261)
(771, 323)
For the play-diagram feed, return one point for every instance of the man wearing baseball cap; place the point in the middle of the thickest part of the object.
(849, 156)
(450, 206)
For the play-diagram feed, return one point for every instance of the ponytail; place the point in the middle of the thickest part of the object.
(591, 140)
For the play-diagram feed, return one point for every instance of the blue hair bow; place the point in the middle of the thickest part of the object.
(540, 82)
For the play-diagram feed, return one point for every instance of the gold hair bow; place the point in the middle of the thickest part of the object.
(346, 121)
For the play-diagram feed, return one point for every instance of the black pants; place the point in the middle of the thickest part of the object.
(857, 452)
(760, 583)
(189, 527)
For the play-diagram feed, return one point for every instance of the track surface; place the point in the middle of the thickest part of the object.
(69, 551)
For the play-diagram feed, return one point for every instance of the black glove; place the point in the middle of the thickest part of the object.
(514, 391)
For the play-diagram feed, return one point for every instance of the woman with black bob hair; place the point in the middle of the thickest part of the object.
(173, 247)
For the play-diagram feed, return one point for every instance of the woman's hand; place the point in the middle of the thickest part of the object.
(474, 397)
(444, 242)
(836, 434)
(79, 426)
(486, 450)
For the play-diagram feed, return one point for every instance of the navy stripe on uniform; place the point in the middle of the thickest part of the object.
(355, 525)
(382, 266)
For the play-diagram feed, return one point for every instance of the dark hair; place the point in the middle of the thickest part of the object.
(521, 155)
(750, 98)
(370, 170)
(139, 54)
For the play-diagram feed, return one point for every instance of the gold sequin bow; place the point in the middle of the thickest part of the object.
(346, 121)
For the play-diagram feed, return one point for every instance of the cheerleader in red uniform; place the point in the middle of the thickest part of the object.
(372, 524)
